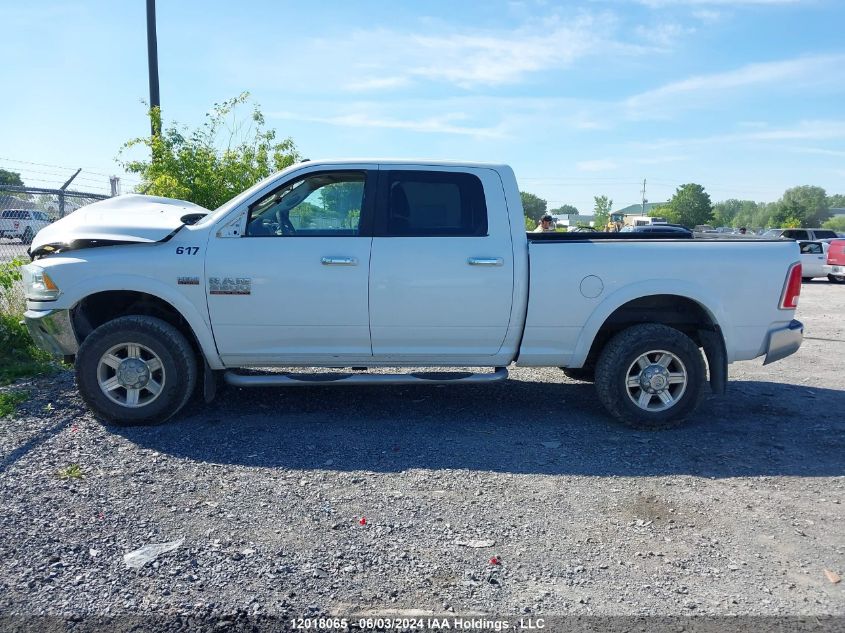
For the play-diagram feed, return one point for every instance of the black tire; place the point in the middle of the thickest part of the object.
(27, 236)
(836, 279)
(582, 374)
(177, 359)
(620, 354)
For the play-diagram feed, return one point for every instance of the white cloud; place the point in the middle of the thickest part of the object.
(663, 35)
(708, 16)
(376, 83)
(469, 59)
(433, 125)
(819, 150)
(596, 165)
(789, 73)
(657, 4)
(440, 52)
(817, 130)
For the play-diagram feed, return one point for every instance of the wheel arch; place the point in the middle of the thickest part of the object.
(101, 306)
(695, 314)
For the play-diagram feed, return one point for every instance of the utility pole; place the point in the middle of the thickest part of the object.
(644, 198)
(152, 59)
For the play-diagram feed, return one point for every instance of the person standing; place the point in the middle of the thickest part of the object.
(546, 225)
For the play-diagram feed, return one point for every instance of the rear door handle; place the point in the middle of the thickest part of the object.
(485, 261)
(339, 261)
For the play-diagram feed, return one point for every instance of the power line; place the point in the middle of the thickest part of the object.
(26, 162)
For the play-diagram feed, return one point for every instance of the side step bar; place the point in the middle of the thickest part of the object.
(417, 378)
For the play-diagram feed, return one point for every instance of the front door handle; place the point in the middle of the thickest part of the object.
(339, 261)
(485, 261)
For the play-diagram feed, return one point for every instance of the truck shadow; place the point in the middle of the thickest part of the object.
(759, 428)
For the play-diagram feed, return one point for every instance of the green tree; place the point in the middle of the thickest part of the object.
(836, 201)
(601, 211)
(533, 206)
(10, 178)
(725, 212)
(807, 205)
(530, 224)
(215, 161)
(666, 212)
(691, 205)
(836, 223)
(566, 209)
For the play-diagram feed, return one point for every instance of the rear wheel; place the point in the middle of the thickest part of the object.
(27, 236)
(650, 376)
(836, 279)
(136, 370)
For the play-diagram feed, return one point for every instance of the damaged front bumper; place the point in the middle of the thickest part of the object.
(52, 331)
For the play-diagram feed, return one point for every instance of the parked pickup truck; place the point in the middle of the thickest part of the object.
(360, 264)
(22, 223)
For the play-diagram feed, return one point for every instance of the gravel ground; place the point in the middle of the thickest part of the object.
(516, 498)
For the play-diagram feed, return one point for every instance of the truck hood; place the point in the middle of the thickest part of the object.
(127, 219)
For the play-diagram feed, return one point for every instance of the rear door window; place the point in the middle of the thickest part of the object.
(431, 203)
(796, 235)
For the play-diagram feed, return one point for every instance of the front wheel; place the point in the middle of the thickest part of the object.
(650, 376)
(136, 370)
(836, 279)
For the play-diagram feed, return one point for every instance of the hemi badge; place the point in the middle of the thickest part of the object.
(188, 281)
(229, 286)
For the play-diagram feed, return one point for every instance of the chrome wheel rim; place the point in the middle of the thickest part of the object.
(131, 375)
(656, 381)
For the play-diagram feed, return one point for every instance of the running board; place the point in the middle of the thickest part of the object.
(417, 378)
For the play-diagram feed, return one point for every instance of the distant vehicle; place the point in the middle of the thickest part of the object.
(22, 223)
(674, 229)
(642, 220)
(726, 229)
(615, 222)
(801, 234)
(813, 260)
(705, 228)
(836, 261)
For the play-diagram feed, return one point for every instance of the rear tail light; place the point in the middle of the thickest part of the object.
(836, 253)
(792, 289)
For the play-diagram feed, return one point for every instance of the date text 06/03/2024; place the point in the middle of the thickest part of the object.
(453, 623)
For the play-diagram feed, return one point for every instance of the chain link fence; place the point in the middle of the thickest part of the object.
(26, 210)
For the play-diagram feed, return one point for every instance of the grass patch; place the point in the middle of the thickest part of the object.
(74, 471)
(9, 401)
(19, 357)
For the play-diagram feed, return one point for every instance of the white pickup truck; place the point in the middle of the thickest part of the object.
(361, 264)
(22, 223)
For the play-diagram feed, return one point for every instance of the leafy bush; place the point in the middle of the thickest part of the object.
(836, 223)
(19, 355)
(11, 295)
(213, 163)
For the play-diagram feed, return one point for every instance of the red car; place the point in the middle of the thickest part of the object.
(836, 261)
